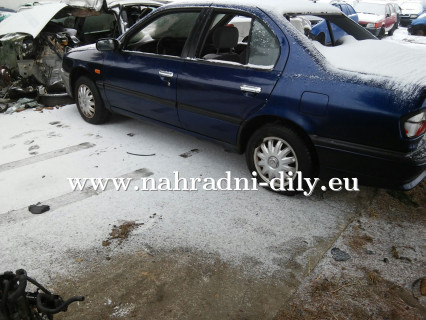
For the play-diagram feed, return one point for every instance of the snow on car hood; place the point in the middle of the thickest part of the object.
(31, 21)
(399, 64)
(97, 4)
(90, 4)
(368, 17)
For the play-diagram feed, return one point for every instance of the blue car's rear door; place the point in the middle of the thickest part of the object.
(220, 87)
(141, 78)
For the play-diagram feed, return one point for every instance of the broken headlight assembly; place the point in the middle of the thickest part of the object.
(28, 48)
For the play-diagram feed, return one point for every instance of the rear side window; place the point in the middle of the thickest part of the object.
(239, 39)
(264, 46)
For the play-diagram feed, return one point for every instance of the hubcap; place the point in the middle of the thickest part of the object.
(86, 101)
(272, 156)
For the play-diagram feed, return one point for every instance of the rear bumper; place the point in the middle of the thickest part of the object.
(372, 166)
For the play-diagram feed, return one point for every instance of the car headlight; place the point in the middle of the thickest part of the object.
(370, 25)
(416, 125)
(413, 16)
(28, 47)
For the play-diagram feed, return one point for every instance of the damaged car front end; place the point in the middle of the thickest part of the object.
(33, 42)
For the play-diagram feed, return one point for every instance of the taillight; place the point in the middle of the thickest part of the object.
(416, 125)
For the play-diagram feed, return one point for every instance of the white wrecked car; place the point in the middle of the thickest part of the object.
(34, 41)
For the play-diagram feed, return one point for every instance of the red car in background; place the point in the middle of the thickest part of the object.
(377, 17)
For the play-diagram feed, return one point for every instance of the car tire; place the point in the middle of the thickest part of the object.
(276, 148)
(382, 33)
(391, 31)
(55, 99)
(89, 102)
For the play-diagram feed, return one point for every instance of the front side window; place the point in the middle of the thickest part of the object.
(240, 39)
(166, 35)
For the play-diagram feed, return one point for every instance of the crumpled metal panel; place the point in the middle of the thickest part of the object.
(30, 21)
(10, 50)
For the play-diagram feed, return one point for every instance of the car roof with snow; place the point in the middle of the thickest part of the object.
(276, 6)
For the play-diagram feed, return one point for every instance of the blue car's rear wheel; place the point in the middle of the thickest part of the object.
(276, 151)
(89, 102)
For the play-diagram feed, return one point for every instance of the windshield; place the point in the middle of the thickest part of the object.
(371, 8)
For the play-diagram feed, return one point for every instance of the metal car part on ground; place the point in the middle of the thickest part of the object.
(18, 303)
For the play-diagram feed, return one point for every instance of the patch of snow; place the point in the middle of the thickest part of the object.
(402, 36)
(401, 66)
(122, 311)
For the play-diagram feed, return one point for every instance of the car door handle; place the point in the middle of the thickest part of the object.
(250, 89)
(166, 74)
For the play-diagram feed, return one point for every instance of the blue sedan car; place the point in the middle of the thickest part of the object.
(243, 76)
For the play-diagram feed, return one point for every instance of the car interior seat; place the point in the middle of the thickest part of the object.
(225, 37)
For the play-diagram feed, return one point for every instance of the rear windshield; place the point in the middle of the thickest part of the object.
(328, 29)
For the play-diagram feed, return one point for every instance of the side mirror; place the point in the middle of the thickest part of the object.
(107, 45)
(387, 15)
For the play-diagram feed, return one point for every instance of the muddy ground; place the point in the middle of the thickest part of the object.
(380, 280)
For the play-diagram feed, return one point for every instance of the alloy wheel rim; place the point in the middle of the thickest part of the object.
(86, 101)
(272, 156)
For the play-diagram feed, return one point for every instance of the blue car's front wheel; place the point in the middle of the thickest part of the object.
(89, 102)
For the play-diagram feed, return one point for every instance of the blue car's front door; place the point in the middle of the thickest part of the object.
(141, 78)
(143, 85)
(231, 76)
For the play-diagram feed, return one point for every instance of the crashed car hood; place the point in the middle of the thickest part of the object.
(31, 21)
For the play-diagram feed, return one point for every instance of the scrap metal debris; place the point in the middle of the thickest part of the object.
(339, 255)
(189, 153)
(141, 155)
(38, 209)
(22, 104)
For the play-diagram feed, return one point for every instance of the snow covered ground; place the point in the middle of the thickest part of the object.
(401, 35)
(235, 225)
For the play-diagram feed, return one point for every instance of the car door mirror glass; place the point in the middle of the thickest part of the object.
(107, 45)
